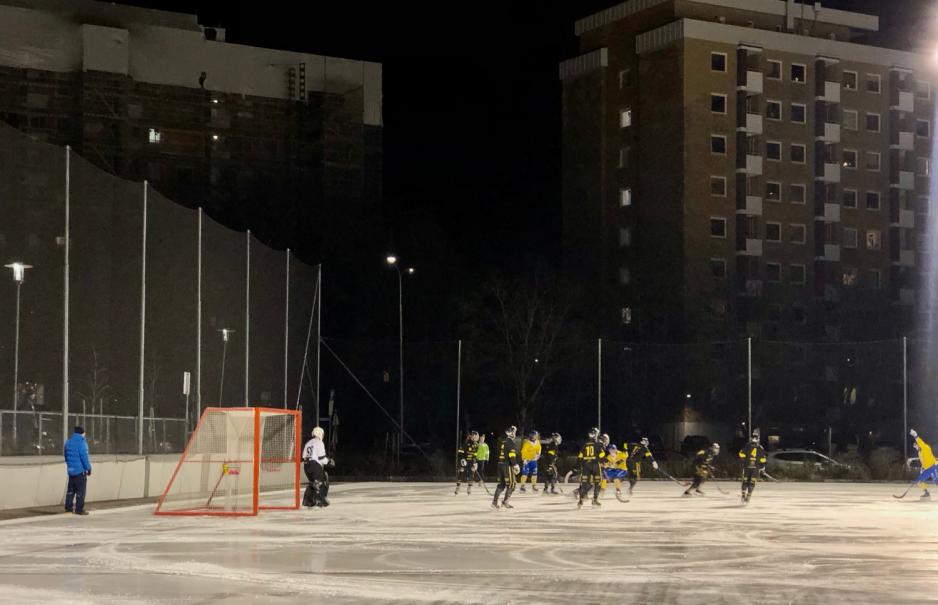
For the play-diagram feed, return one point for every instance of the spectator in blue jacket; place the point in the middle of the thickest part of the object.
(79, 467)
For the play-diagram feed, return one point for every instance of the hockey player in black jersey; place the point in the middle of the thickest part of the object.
(591, 457)
(703, 468)
(467, 461)
(551, 451)
(753, 457)
(637, 454)
(506, 454)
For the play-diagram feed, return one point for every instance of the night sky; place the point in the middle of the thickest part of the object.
(472, 114)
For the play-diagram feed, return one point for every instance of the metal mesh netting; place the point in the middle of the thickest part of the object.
(137, 265)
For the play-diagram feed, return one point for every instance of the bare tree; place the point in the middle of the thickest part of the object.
(97, 385)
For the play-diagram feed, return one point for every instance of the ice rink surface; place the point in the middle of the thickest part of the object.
(418, 543)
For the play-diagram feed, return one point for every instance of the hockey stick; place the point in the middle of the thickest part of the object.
(721, 490)
(913, 484)
(768, 476)
(665, 474)
(482, 481)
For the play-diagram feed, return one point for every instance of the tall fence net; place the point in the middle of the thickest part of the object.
(128, 298)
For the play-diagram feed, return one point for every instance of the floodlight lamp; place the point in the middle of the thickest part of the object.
(410, 270)
(19, 271)
(392, 260)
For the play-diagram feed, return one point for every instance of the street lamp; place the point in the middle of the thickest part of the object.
(392, 262)
(225, 337)
(19, 274)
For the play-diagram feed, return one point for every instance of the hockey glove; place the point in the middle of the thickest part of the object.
(654, 464)
(88, 473)
(462, 462)
(516, 469)
(913, 433)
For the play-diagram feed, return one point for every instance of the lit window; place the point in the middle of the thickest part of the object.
(872, 122)
(850, 237)
(718, 62)
(717, 103)
(625, 118)
(774, 71)
(718, 185)
(797, 153)
(874, 240)
(850, 276)
(922, 166)
(718, 227)
(624, 157)
(155, 136)
(872, 83)
(625, 197)
(626, 315)
(798, 113)
(798, 73)
(873, 161)
(718, 144)
(850, 80)
(850, 158)
(796, 194)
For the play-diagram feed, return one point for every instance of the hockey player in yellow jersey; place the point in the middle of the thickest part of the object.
(616, 468)
(929, 464)
(530, 454)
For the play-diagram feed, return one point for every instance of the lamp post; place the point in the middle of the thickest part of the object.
(392, 262)
(19, 274)
(225, 337)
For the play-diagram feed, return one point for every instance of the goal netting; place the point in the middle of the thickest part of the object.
(238, 461)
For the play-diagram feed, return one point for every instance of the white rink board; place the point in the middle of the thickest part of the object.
(418, 543)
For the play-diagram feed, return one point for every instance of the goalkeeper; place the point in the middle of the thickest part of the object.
(314, 463)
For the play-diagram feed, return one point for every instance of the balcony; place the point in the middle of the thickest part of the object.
(831, 213)
(902, 101)
(831, 254)
(749, 247)
(903, 179)
(751, 205)
(831, 172)
(829, 93)
(753, 123)
(906, 258)
(752, 83)
(904, 141)
(831, 133)
(753, 165)
(902, 218)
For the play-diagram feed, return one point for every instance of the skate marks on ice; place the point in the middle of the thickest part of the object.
(417, 543)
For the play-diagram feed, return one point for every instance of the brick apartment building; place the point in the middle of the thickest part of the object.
(253, 135)
(744, 167)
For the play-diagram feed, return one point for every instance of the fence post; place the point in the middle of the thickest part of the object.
(905, 398)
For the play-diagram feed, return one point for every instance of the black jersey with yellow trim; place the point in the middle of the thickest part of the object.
(753, 456)
(507, 451)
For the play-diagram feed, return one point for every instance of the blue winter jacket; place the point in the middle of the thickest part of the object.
(76, 455)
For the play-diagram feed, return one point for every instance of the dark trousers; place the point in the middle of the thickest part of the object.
(750, 476)
(506, 481)
(590, 474)
(76, 493)
(482, 469)
(318, 488)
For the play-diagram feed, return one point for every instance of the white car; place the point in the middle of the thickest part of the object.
(799, 459)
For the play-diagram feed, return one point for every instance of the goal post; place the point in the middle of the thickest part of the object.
(238, 461)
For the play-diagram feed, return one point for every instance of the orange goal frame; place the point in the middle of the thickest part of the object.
(257, 463)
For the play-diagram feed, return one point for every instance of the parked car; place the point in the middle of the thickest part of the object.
(799, 459)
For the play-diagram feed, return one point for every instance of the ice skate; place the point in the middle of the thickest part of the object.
(506, 505)
(925, 496)
(456, 493)
(597, 502)
(468, 489)
(579, 503)
(699, 492)
(523, 489)
(687, 494)
(494, 505)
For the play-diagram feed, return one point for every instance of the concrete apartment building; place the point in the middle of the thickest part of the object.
(741, 167)
(738, 168)
(251, 134)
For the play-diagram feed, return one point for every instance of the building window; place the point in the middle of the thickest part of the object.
(773, 191)
(850, 80)
(922, 90)
(717, 103)
(922, 166)
(796, 274)
(718, 185)
(798, 152)
(155, 136)
(624, 157)
(872, 122)
(922, 128)
(718, 144)
(873, 161)
(850, 119)
(849, 198)
(876, 279)
(798, 73)
(874, 240)
(626, 316)
(774, 70)
(850, 276)
(773, 232)
(773, 272)
(717, 227)
(625, 118)
(872, 200)
(625, 197)
(796, 193)
(773, 110)
(798, 113)
(850, 237)
(625, 276)
(773, 150)
(625, 78)
(873, 83)
(798, 233)
(718, 62)
(718, 268)
(625, 237)
(799, 314)
(850, 158)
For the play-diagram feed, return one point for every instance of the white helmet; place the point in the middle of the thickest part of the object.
(318, 433)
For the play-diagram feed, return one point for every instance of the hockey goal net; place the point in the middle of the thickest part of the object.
(238, 461)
